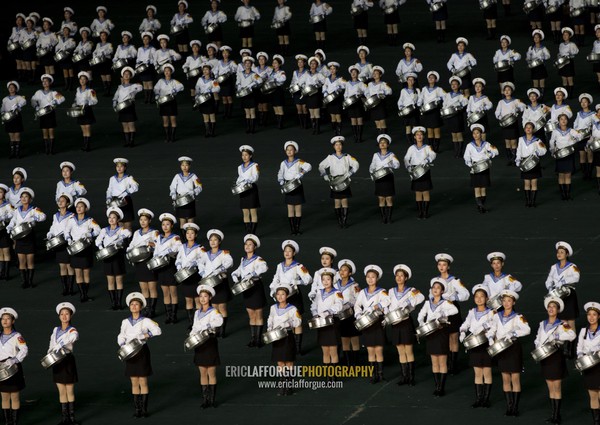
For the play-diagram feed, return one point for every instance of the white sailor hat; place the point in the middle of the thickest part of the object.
(169, 66)
(336, 139)
(167, 216)
(66, 305)
(409, 45)
(46, 19)
(586, 96)
(48, 76)
(328, 250)
(437, 280)
(35, 15)
(363, 47)
(183, 2)
(68, 197)
(291, 143)
(567, 29)
(462, 40)
(223, 48)
(31, 18)
(597, 107)
(533, 90)
(21, 171)
(246, 51)
(291, 243)
(378, 68)
(496, 255)
(286, 287)
(184, 158)
(248, 59)
(418, 128)
(328, 271)
(279, 58)
(116, 210)
(120, 161)
(14, 83)
(505, 37)
(127, 68)
(86, 29)
(386, 137)
(3, 187)
(83, 201)
(65, 27)
(136, 296)
(314, 58)
(480, 287)
(592, 305)
(508, 84)
(8, 310)
(435, 74)
(207, 65)
(410, 74)
(442, 256)
(509, 293)
(477, 127)
(596, 27)
(99, 8)
(163, 37)
(333, 63)
(20, 15)
(560, 303)
(147, 34)
(84, 74)
(479, 80)
(146, 212)
(198, 42)
(565, 246)
(264, 54)
(301, 56)
(455, 78)
(373, 268)
(246, 148)
(348, 263)
(29, 191)
(321, 52)
(105, 31)
(353, 68)
(404, 268)
(538, 32)
(215, 232)
(192, 226)
(252, 238)
(126, 33)
(206, 288)
(561, 90)
(151, 6)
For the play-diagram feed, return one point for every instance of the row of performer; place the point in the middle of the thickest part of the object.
(343, 313)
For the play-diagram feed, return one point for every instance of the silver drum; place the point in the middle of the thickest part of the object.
(585, 132)
(274, 335)
(475, 116)
(562, 292)
(143, 67)
(277, 24)
(390, 10)
(268, 87)
(331, 97)
(245, 23)
(355, 10)
(41, 52)
(165, 99)
(429, 106)
(529, 163)
(310, 90)
(593, 57)
(176, 29)
(418, 171)
(535, 63)
(407, 110)
(97, 60)
(124, 105)
(475, 340)
(504, 65)
(223, 77)
(345, 314)
(78, 57)
(116, 202)
(139, 254)
(295, 88)
(435, 7)
(244, 92)
(539, 124)
(185, 274)
(20, 231)
(396, 316)
(429, 328)
(530, 5)
(449, 112)
(158, 263)
(563, 152)
(553, 8)
(75, 112)
(29, 43)
(202, 98)
(213, 280)
(499, 346)
(367, 320)
(550, 127)
(129, 350)
(240, 188)
(193, 73)
(371, 102)
(78, 246)
(382, 172)
(183, 200)
(339, 183)
(197, 339)
(587, 362)
(480, 166)
(320, 322)
(495, 302)
(9, 116)
(462, 72)
(7, 372)
(120, 63)
(55, 242)
(315, 19)
(54, 357)
(486, 4)
(12, 46)
(508, 120)
(106, 252)
(562, 61)
(545, 351)
(210, 28)
(594, 145)
(291, 185)
(44, 111)
(61, 55)
(350, 100)
(244, 285)
(575, 12)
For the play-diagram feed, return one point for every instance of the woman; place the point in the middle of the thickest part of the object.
(281, 22)
(420, 154)
(125, 51)
(567, 49)
(13, 350)
(355, 89)
(496, 281)
(561, 138)
(507, 107)
(391, 18)
(214, 17)
(596, 154)
(381, 89)
(431, 119)
(145, 56)
(490, 14)
(264, 71)
(560, 106)
(120, 188)
(150, 24)
(84, 50)
(252, 266)
(246, 17)
(28, 36)
(509, 325)
(554, 368)
(139, 367)
(589, 343)
(406, 298)
(190, 256)
(535, 112)
(479, 151)
(248, 173)
(409, 97)
(19, 177)
(145, 236)
(164, 55)
(583, 124)
(66, 44)
(327, 257)
(64, 373)
(373, 299)
(168, 245)
(168, 110)
(504, 54)
(334, 84)
(46, 97)
(185, 183)
(114, 267)
(320, 9)
(68, 184)
(278, 95)
(328, 303)
(85, 98)
(462, 60)
(339, 164)
(218, 261)
(6, 213)
(104, 50)
(101, 23)
(530, 145)
(206, 356)
(284, 315)
(184, 19)
(59, 225)
(442, 310)
(194, 63)
(314, 78)
(439, 15)
(298, 80)
(345, 283)
(384, 187)
(46, 42)
(539, 53)
(14, 127)
(478, 321)
(17, 53)
(360, 13)
(25, 246)
(294, 274)
(290, 169)
(596, 50)
(456, 122)
(127, 116)
(226, 68)
(250, 80)
(408, 65)
(365, 67)
(81, 227)
(479, 103)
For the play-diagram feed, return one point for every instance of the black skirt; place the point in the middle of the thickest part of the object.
(491, 12)
(320, 26)
(537, 14)
(5, 240)
(142, 274)
(26, 245)
(88, 117)
(207, 354)
(385, 186)
(568, 70)
(455, 320)
(183, 37)
(166, 275)
(140, 365)
(15, 383)
(284, 30)
(335, 107)
(128, 213)
(422, 184)
(249, 102)
(467, 81)
(216, 35)
(571, 310)
(596, 68)
(565, 165)
(347, 328)
(329, 336)
(250, 199)
(431, 119)
(391, 18)
(315, 101)
(187, 211)
(15, 126)
(596, 161)
(412, 119)
(441, 14)
(591, 378)
(255, 298)
(227, 87)
(48, 120)
(222, 293)
(346, 193)
(61, 255)
(456, 124)
(208, 108)
(115, 265)
(284, 350)
(278, 97)
(189, 286)
(297, 301)
(511, 359)
(128, 114)
(534, 173)
(84, 259)
(378, 112)
(168, 109)
(374, 335)
(479, 357)
(295, 197)
(247, 32)
(47, 59)
(361, 21)
(506, 76)
(554, 367)
(404, 333)
(355, 110)
(539, 73)
(482, 179)
(438, 343)
(147, 75)
(65, 372)
(511, 132)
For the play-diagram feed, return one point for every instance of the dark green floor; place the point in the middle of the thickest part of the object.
(527, 236)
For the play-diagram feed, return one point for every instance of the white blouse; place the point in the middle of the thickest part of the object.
(338, 165)
(63, 338)
(31, 215)
(557, 331)
(474, 153)
(381, 161)
(59, 224)
(507, 327)
(116, 237)
(327, 303)
(183, 185)
(248, 174)
(188, 257)
(287, 317)
(13, 347)
(367, 301)
(209, 319)
(440, 310)
(292, 170)
(294, 275)
(249, 267)
(588, 342)
(409, 298)
(137, 329)
(78, 229)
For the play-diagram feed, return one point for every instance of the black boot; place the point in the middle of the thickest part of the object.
(3, 270)
(168, 318)
(112, 295)
(212, 394)
(375, 376)
(46, 147)
(411, 374)
(380, 377)
(143, 405)
(190, 315)
(24, 278)
(253, 227)
(292, 225)
(419, 210)
(436, 381)
(30, 274)
(223, 328)
(515, 406)
(80, 288)
(7, 416)
(153, 302)
(442, 391)
(15, 416)
(132, 139)
(338, 214)
(338, 128)
(137, 412)
(346, 358)
(64, 413)
(86, 288)
(173, 313)
(279, 119)
(167, 134)
(173, 131)
(478, 396)
(568, 192)
(125, 140)
(507, 9)
(527, 198)
(354, 358)
(508, 396)
(487, 392)
(345, 217)
(259, 340)
(88, 144)
(355, 133)
(71, 408)
(298, 339)
(425, 209)
(389, 214)
(298, 220)
(6, 270)
(383, 214)
(205, 402)
(403, 374)
(453, 363)
(252, 125)
(206, 129)
(360, 132)
(596, 416)
(252, 342)
(119, 299)
(213, 126)
(64, 280)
